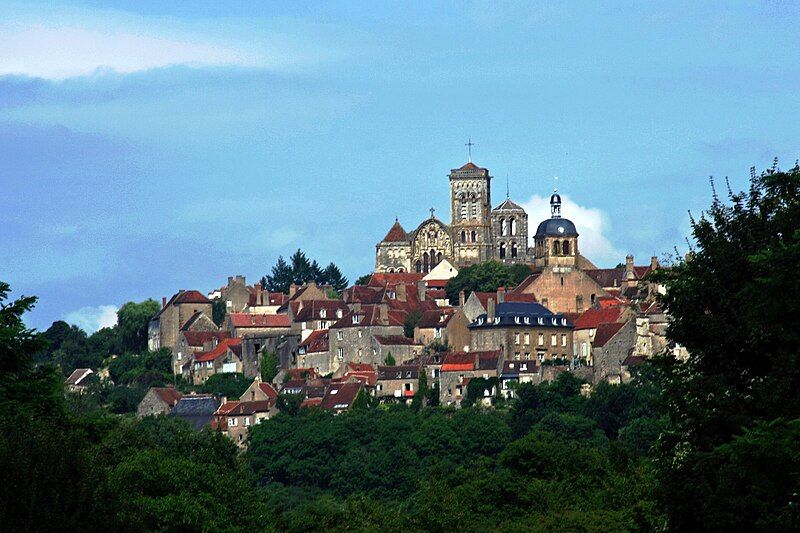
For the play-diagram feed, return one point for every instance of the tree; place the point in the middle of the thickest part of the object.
(302, 270)
(289, 403)
(219, 308)
(281, 277)
(269, 366)
(728, 303)
(363, 280)
(389, 361)
(333, 276)
(133, 320)
(485, 277)
(410, 322)
(230, 385)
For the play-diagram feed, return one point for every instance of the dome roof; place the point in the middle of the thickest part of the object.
(556, 227)
(555, 198)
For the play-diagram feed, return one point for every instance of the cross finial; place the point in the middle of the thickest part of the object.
(555, 183)
(432, 210)
(508, 195)
(469, 144)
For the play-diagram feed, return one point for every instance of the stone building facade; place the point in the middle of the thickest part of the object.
(164, 327)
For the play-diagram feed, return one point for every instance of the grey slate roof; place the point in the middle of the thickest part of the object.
(197, 409)
(556, 227)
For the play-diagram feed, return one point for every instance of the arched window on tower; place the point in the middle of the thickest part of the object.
(503, 228)
(418, 266)
(425, 262)
(463, 210)
(438, 258)
(513, 225)
(502, 250)
(474, 236)
(433, 258)
(463, 236)
(556, 247)
(565, 247)
(513, 249)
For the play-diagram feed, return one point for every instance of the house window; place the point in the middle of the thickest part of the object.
(565, 247)
(563, 340)
(233, 421)
(516, 356)
(527, 338)
(541, 339)
(359, 334)
(323, 313)
(463, 236)
(340, 335)
(513, 249)
(180, 354)
(527, 358)
(553, 340)
(502, 250)
(247, 421)
(513, 227)
(338, 313)
(584, 349)
(437, 333)
(209, 364)
(340, 353)
(516, 338)
(474, 236)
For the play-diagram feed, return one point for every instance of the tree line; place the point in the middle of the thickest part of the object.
(300, 270)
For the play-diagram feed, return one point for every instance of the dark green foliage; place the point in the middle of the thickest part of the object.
(69, 347)
(231, 385)
(290, 403)
(485, 277)
(732, 306)
(219, 308)
(300, 270)
(410, 322)
(269, 366)
(389, 361)
(150, 369)
(477, 389)
(363, 280)
(132, 322)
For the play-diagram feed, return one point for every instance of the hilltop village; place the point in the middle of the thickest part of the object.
(397, 336)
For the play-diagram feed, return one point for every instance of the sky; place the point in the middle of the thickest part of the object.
(151, 146)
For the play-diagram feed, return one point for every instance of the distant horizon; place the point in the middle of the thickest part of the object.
(149, 147)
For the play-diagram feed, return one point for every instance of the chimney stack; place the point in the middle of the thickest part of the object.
(654, 263)
(400, 292)
(384, 312)
(292, 290)
(629, 266)
(163, 302)
(501, 295)
(421, 290)
(462, 298)
(490, 310)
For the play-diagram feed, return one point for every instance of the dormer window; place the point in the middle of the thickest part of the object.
(527, 320)
(480, 321)
(338, 313)
(497, 320)
(323, 313)
(356, 319)
(516, 320)
(541, 321)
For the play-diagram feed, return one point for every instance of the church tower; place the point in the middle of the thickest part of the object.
(556, 239)
(471, 204)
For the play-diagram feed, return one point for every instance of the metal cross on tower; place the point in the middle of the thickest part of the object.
(432, 210)
(469, 144)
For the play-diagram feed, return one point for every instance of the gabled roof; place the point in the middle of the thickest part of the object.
(190, 297)
(247, 320)
(465, 361)
(197, 409)
(267, 389)
(226, 407)
(199, 338)
(340, 396)
(525, 283)
(521, 313)
(396, 233)
(311, 310)
(301, 373)
(398, 372)
(370, 315)
(381, 279)
(78, 375)
(168, 395)
(593, 317)
(220, 350)
(249, 408)
(515, 368)
(633, 360)
(187, 326)
(317, 341)
(605, 332)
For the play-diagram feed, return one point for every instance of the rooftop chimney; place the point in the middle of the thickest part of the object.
(400, 292)
(384, 312)
(163, 302)
(230, 281)
(462, 298)
(629, 267)
(292, 290)
(490, 310)
(501, 295)
(421, 290)
(654, 263)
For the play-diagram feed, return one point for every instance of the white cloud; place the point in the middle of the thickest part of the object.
(593, 227)
(90, 319)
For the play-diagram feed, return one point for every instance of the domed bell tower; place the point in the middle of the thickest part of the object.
(556, 239)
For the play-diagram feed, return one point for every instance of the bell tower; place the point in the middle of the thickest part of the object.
(471, 205)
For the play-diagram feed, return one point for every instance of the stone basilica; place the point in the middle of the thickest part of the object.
(476, 232)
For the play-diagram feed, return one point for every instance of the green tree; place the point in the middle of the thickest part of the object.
(333, 276)
(219, 308)
(485, 277)
(289, 403)
(229, 385)
(728, 305)
(389, 361)
(302, 269)
(132, 322)
(363, 280)
(280, 278)
(269, 366)
(410, 322)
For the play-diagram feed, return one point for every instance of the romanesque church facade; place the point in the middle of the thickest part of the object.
(476, 232)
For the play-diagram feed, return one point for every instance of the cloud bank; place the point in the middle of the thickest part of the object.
(91, 319)
(592, 223)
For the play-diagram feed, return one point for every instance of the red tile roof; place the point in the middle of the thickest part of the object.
(438, 318)
(394, 340)
(458, 361)
(311, 402)
(301, 373)
(340, 396)
(364, 295)
(247, 320)
(396, 233)
(168, 395)
(370, 316)
(316, 342)
(226, 407)
(311, 310)
(381, 279)
(438, 294)
(198, 338)
(605, 332)
(267, 389)
(249, 408)
(220, 350)
(593, 317)
(190, 297)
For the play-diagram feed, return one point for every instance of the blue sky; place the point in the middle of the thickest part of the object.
(147, 147)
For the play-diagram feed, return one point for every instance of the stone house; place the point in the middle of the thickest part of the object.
(401, 348)
(314, 352)
(158, 401)
(241, 324)
(515, 372)
(613, 343)
(312, 315)
(77, 380)
(585, 329)
(245, 414)
(448, 326)
(164, 327)
(307, 292)
(259, 391)
(237, 294)
(478, 302)
(399, 382)
(193, 342)
(254, 345)
(459, 367)
(350, 339)
(225, 358)
(523, 331)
